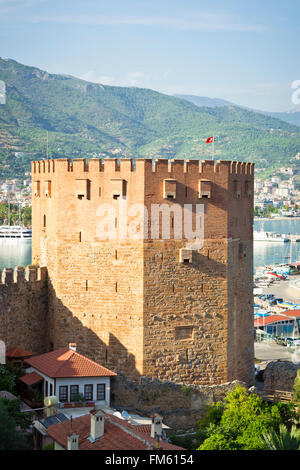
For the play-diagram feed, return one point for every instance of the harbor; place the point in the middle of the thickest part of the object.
(275, 237)
(276, 309)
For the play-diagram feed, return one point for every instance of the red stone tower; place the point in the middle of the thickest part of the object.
(160, 307)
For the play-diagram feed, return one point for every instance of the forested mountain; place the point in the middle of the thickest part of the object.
(80, 119)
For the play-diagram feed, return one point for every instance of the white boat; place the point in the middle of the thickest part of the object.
(15, 231)
(269, 237)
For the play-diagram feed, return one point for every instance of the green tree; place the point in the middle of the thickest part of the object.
(7, 379)
(297, 388)
(283, 440)
(24, 420)
(10, 437)
(13, 215)
(244, 420)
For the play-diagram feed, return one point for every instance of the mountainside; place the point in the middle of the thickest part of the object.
(292, 117)
(81, 119)
(205, 101)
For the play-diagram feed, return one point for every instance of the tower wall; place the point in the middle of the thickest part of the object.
(132, 303)
(24, 308)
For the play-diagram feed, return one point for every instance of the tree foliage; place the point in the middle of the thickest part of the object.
(7, 379)
(245, 418)
(23, 420)
(11, 214)
(284, 439)
(297, 388)
(74, 118)
(10, 437)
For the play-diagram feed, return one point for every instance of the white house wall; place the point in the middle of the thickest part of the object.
(80, 381)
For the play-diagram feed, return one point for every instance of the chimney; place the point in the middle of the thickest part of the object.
(97, 425)
(156, 426)
(73, 442)
(73, 346)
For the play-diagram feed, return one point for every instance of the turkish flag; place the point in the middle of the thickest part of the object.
(210, 140)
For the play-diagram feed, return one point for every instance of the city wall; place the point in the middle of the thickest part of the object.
(180, 405)
(24, 308)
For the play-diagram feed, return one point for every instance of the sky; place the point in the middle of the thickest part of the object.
(243, 51)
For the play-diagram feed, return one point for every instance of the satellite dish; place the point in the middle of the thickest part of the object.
(125, 415)
(117, 414)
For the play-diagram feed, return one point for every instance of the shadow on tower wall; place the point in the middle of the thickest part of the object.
(64, 328)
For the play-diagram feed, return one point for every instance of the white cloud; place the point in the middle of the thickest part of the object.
(202, 21)
(92, 76)
(133, 78)
(130, 79)
(12, 7)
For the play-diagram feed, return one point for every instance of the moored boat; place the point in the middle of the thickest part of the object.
(15, 232)
(269, 237)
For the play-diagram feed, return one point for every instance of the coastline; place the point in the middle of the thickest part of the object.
(275, 218)
(284, 289)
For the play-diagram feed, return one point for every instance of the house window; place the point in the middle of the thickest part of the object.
(88, 392)
(74, 390)
(63, 393)
(100, 391)
(51, 390)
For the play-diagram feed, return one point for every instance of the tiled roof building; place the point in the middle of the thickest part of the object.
(101, 431)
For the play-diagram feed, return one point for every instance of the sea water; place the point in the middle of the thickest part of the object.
(14, 252)
(18, 252)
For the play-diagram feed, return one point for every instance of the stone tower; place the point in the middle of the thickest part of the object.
(150, 303)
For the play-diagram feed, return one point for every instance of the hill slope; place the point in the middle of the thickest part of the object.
(292, 117)
(83, 118)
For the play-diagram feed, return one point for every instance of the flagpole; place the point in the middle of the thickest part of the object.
(213, 148)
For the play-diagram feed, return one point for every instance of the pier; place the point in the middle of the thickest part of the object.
(293, 238)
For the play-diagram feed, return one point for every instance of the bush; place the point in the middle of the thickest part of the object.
(78, 397)
(7, 379)
(244, 420)
(10, 438)
(49, 446)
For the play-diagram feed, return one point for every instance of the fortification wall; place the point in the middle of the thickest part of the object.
(80, 186)
(185, 313)
(180, 406)
(23, 308)
(132, 304)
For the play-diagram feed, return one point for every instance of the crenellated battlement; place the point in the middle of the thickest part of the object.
(122, 281)
(128, 165)
(23, 274)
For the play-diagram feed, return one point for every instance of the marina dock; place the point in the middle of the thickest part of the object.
(293, 238)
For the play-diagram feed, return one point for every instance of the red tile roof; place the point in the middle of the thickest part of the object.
(292, 313)
(31, 378)
(285, 316)
(18, 353)
(118, 435)
(66, 362)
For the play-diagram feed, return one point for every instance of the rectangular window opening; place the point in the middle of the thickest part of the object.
(74, 390)
(88, 392)
(101, 392)
(63, 393)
